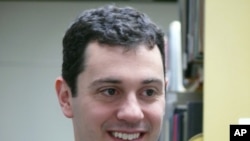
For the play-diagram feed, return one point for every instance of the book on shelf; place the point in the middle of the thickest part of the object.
(186, 121)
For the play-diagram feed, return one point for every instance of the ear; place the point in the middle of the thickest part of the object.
(64, 96)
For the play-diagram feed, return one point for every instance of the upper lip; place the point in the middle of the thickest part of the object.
(127, 131)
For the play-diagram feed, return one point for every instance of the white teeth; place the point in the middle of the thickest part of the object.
(126, 136)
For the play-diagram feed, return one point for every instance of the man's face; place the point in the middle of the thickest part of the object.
(120, 95)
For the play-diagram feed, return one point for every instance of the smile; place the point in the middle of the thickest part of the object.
(126, 136)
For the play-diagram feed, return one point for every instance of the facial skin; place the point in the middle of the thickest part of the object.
(120, 93)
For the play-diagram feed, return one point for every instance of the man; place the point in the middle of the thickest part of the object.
(112, 83)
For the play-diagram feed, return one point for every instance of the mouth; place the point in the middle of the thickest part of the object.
(126, 136)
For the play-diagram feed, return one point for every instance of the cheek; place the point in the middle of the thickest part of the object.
(91, 110)
(88, 118)
(155, 113)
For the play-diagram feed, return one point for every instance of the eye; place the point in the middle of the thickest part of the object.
(109, 91)
(149, 92)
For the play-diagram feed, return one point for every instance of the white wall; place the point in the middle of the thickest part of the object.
(30, 60)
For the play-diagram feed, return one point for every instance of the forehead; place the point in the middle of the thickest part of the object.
(96, 51)
(131, 68)
(103, 60)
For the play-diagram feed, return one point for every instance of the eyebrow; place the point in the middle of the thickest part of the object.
(152, 80)
(117, 81)
(105, 80)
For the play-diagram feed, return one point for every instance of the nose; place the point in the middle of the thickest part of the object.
(130, 110)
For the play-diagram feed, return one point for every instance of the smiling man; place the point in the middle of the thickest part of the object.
(113, 83)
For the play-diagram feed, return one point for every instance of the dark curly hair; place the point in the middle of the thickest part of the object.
(109, 25)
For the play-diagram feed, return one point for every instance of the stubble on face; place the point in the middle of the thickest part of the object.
(96, 113)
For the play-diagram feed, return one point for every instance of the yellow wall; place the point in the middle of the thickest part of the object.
(227, 66)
